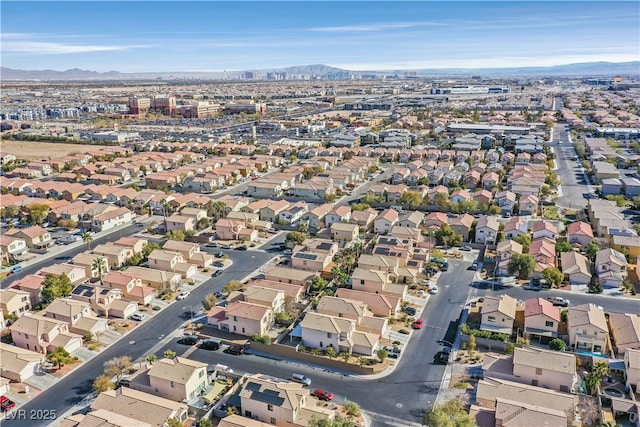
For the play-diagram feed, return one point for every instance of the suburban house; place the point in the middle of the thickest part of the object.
(545, 368)
(75, 273)
(461, 225)
(541, 318)
(504, 252)
(364, 219)
(321, 331)
(385, 221)
(131, 285)
(171, 261)
(411, 219)
(311, 261)
(632, 365)
(242, 318)
(625, 331)
(515, 227)
(487, 230)
(544, 229)
(380, 305)
(288, 275)
(154, 278)
(229, 229)
(315, 218)
(587, 327)
(576, 268)
(579, 233)
(111, 219)
(344, 233)
(180, 222)
(272, 298)
(14, 303)
(77, 314)
(611, 267)
(528, 205)
(143, 407)
(43, 334)
(278, 402)
(19, 364)
(338, 214)
(498, 313)
(12, 247)
(32, 284)
(177, 379)
(94, 265)
(105, 301)
(376, 282)
(35, 237)
(294, 293)
(354, 310)
(116, 255)
(543, 251)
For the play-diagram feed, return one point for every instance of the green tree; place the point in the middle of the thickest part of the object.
(360, 207)
(471, 346)
(338, 421)
(352, 409)
(295, 237)
(591, 250)
(382, 354)
(232, 286)
(329, 197)
(441, 200)
(178, 235)
(87, 238)
(117, 367)
(521, 265)
(169, 354)
(103, 383)
(448, 414)
(346, 357)
(594, 378)
(330, 352)
(151, 358)
(411, 198)
(204, 422)
(37, 213)
(100, 264)
(340, 276)
(557, 344)
(318, 284)
(174, 422)
(524, 240)
(216, 210)
(553, 276)
(56, 286)
(60, 356)
(68, 224)
(563, 246)
(10, 211)
(445, 236)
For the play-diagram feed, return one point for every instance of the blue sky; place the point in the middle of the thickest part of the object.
(165, 36)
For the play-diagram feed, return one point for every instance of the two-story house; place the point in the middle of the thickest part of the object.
(611, 267)
(545, 368)
(35, 237)
(576, 268)
(504, 252)
(498, 313)
(105, 301)
(541, 318)
(587, 327)
(116, 255)
(77, 314)
(171, 261)
(579, 233)
(242, 318)
(322, 331)
(344, 233)
(385, 221)
(487, 230)
(43, 335)
(132, 285)
(177, 379)
(625, 331)
(14, 302)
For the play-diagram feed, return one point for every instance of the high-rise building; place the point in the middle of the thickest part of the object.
(164, 104)
(139, 105)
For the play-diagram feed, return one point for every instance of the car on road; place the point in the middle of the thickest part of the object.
(272, 230)
(559, 301)
(433, 290)
(418, 324)
(211, 245)
(444, 267)
(16, 269)
(234, 349)
(189, 340)
(444, 355)
(138, 224)
(6, 404)
(410, 311)
(218, 264)
(216, 273)
(139, 317)
(299, 378)
(219, 254)
(241, 248)
(466, 248)
(210, 344)
(62, 258)
(474, 266)
(226, 246)
(182, 295)
(322, 394)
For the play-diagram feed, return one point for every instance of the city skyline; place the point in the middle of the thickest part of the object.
(359, 36)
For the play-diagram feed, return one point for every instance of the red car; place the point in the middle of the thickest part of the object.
(6, 404)
(322, 394)
(418, 324)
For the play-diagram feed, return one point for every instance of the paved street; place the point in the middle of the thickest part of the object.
(574, 181)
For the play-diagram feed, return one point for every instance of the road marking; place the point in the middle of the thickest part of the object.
(379, 419)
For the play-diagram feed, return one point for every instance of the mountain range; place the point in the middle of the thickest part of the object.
(587, 69)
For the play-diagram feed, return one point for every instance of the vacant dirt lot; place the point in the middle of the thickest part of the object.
(32, 150)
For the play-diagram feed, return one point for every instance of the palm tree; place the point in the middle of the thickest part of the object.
(100, 264)
(594, 378)
(87, 238)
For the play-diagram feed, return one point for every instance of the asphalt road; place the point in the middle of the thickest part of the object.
(571, 174)
(74, 387)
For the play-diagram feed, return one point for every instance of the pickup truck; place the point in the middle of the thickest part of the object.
(559, 301)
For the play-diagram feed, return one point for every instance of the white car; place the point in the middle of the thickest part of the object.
(433, 290)
(137, 316)
(182, 295)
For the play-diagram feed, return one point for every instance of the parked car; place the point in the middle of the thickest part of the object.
(444, 267)
(241, 248)
(418, 324)
(444, 355)
(227, 246)
(322, 394)
(211, 245)
(210, 344)
(138, 317)
(473, 266)
(392, 352)
(559, 301)
(189, 340)
(6, 404)
(218, 264)
(433, 290)
(219, 254)
(272, 230)
(299, 378)
(216, 273)
(466, 248)
(182, 295)
(410, 311)
(234, 349)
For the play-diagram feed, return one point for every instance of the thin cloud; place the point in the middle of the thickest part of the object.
(48, 48)
(375, 27)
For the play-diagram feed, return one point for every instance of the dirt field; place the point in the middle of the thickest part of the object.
(32, 150)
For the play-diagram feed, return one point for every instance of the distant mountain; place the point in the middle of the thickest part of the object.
(577, 70)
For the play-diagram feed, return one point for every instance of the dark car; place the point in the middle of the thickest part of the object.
(189, 340)
(235, 349)
(241, 248)
(219, 254)
(444, 355)
(444, 267)
(210, 344)
(216, 273)
(410, 311)
(218, 264)
(6, 404)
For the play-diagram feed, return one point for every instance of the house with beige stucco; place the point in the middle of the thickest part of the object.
(541, 318)
(154, 278)
(498, 314)
(90, 264)
(376, 281)
(14, 302)
(115, 254)
(105, 301)
(321, 331)
(171, 261)
(588, 329)
(75, 273)
(43, 334)
(355, 310)
(269, 297)
(177, 379)
(288, 275)
(379, 304)
(17, 363)
(343, 233)
(131, 285)
(625, 331)
(77, 314)
(242, 318)
(288, 403)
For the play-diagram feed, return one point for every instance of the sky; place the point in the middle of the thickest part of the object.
(171, 36)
